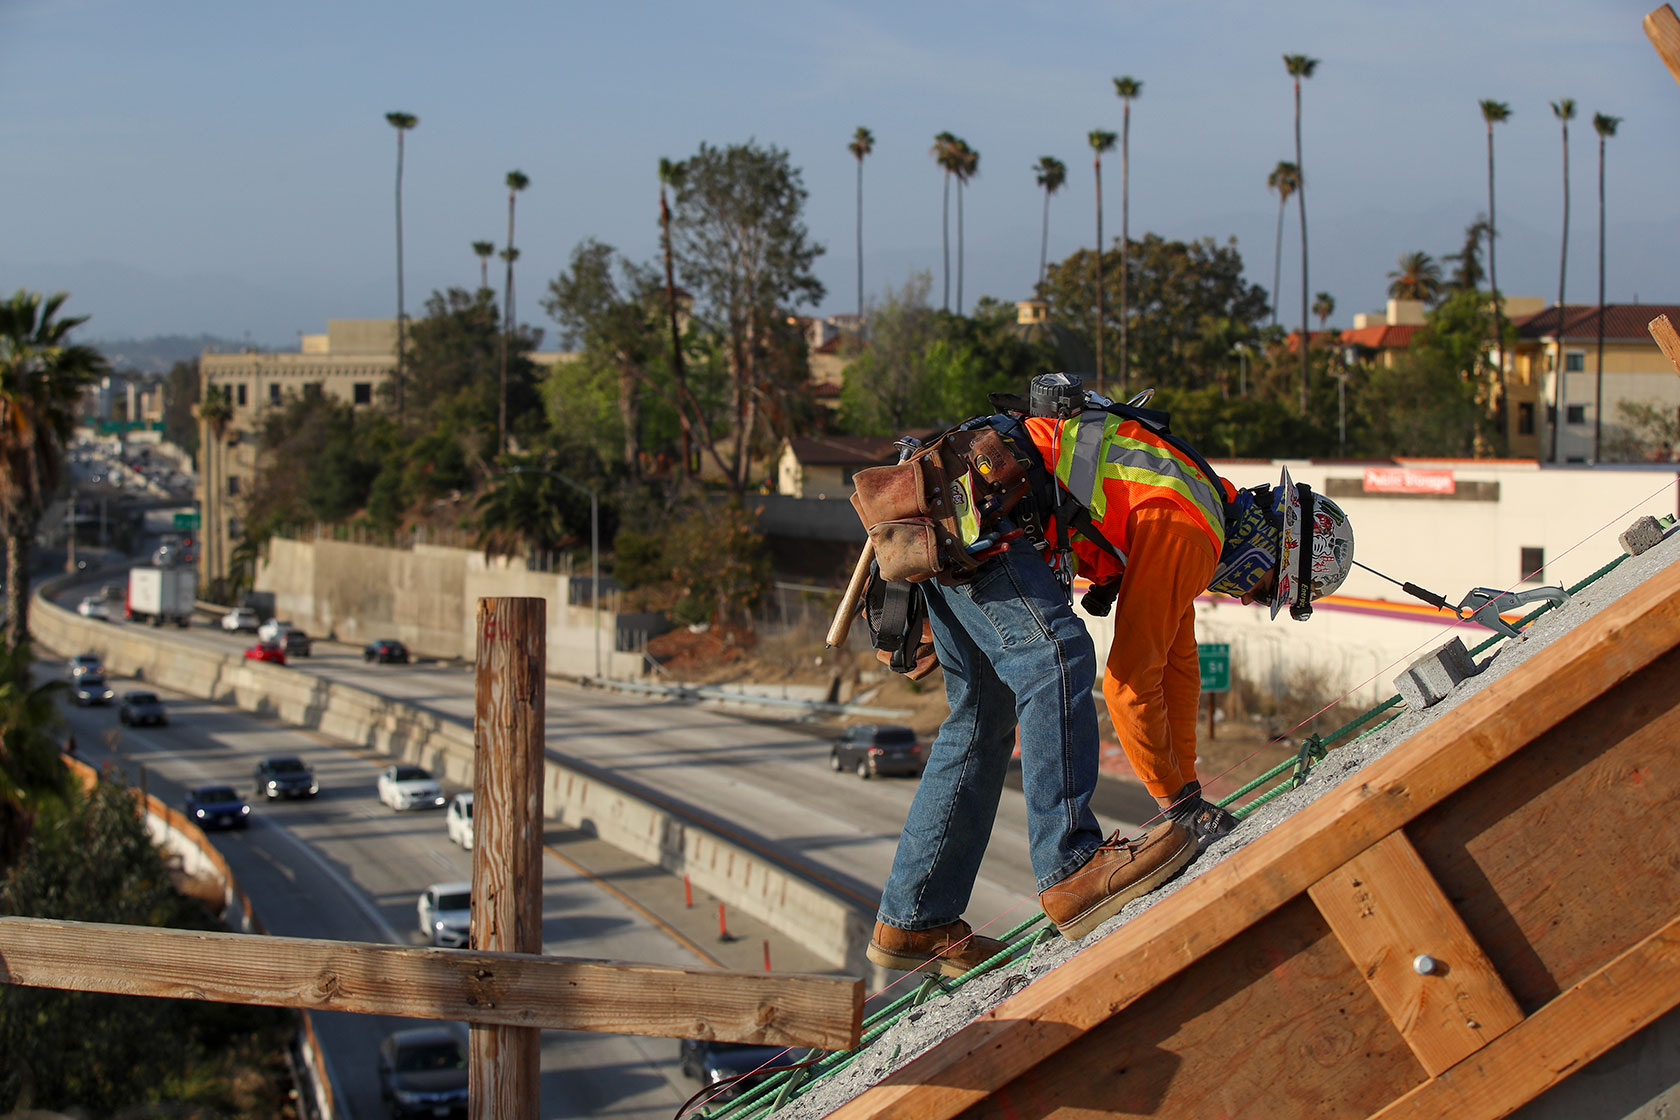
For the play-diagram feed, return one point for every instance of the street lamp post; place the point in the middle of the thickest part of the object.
(594, 548)
(1350, 355)
(1242, 368)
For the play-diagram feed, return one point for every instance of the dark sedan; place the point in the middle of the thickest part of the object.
(217, 807)
(385, 651)
(139, 708)
(423, 1072)
(90, 688)
(285, 776)
(297, 643)
(878, 749)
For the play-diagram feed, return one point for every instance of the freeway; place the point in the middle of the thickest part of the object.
(342, 866)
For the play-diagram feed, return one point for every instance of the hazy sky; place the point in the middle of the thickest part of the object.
(226, 167)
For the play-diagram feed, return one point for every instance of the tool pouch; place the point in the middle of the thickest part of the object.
(923, 513)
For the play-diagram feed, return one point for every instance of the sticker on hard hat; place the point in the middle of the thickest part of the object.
(1290, 560)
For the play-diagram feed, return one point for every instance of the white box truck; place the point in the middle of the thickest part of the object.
(160, 595)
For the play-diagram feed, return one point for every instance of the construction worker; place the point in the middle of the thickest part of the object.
(1127, 498)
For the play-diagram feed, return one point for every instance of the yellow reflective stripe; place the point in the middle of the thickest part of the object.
(1134, 460)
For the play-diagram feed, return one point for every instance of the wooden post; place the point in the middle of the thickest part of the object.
(509, 700)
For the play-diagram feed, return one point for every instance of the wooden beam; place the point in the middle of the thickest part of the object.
(1231, 896)
(1623, 997)
(510, 689)
(1662, 27)
(558, 993)
(1667, 340)
(1387, 911)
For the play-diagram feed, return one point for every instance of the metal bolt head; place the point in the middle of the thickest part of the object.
(1425, 965)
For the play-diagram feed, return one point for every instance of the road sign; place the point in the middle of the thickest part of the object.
(186, 520)
(1215, 658)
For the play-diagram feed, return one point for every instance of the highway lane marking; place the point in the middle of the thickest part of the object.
(658, 922)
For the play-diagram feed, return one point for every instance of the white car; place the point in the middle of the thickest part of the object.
(402, 786)
(445, 912)
(240, 618)
(274, 630)
(459, 821)
(93, 607)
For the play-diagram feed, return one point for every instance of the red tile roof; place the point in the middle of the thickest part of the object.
(1381, 337)
(1623, 322)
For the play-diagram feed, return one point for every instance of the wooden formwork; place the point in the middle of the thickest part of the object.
(1526, 841)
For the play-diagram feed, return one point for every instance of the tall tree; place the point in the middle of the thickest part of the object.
(863, 143)
(1418, 277)
(42, 375)
(1495, 112)
(516, 182)
(1605, 126)
(1284, 179)
(215, 411)
(1467, 262)
(1324, 306)
(1051, 173)
(484, 250)
(1299, 67)
(1126, 89)
(742, 248)
(1101, 141)
(670, 177)
(402, 122)
(944, 153)
(1564, 111)
(967, 166)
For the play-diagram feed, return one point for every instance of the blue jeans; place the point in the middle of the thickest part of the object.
(1013, 652)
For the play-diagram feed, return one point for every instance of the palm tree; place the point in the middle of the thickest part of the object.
(31, 769)
(1418, 277)
(402, 122)
(1284, 179)
(1324, 306)
(215, 411)
(1564, 110)
(1126, 89)
(484, 250)
(967, 166)
(1467, 270)
(1101, 141)
(516, 182)
(1052, 173)
(42, 376)
(1300, 66)
(1605, 126)
(522, 512)
(671, 176)
(1494, 112)
(863, 143)
(944, 153)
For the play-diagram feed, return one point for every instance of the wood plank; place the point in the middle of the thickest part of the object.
(1662, 27)
(1230, 896)
(509, 695)
(1387, 911)
(1663, 331)
(559, 993)
(1623, 997)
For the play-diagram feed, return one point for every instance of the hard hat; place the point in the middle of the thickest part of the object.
(1264, 533)
(1059, 396)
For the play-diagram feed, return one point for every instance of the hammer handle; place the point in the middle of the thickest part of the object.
(842, 624)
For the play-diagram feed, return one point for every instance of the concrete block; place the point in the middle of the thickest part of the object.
(1427, 680)
(1641, 535)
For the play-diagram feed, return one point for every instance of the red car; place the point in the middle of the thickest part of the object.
(267, 651)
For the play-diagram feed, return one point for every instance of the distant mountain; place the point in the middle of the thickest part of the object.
(158, 353)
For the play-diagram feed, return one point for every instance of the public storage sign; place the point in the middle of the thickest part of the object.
(1406, 480)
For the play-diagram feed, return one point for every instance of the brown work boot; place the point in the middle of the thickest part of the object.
(954, 948)
(1120, 871)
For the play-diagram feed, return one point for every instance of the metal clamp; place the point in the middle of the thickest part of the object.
(1486, 605)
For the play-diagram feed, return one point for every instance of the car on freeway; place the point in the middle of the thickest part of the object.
(403, 786)
(878, 749)
(271, 652)
(445, 911)
(273, 630)
(89, 662)
(140, 707)
(459, 822)
(297, 643)
(217, 807)
(423, 1072)
(385, 651)
(241, 618)
(93, 607)
(114, 590)
(90, 688)
(285, 776)
(713, 1062)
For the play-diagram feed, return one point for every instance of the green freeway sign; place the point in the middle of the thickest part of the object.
(186, 521)
(1215, 659)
